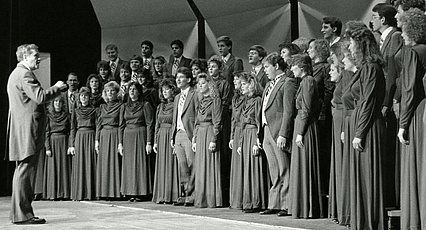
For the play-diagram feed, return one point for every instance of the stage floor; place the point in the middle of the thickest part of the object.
(148, 215)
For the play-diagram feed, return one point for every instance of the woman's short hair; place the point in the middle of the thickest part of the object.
(83, 91)
(214, 91)
(252, 80)
(103, 64)
(126, 66)
(366, 47)
(303, 61)
(110, 85)
(138, 88)
(216, 59)
(302, 43)
(171, 84)
(274, 59)
(291, 47)
(322, 48)
(200, 63)
(147, 74)
(414, 25)
(407, 4)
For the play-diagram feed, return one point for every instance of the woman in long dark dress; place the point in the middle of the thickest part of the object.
(236, 175)
(368, 91)
(208, 125)
(136, 132)
(305, 183)
(96, 88)
(57, 166)
(412, 122)
(342, 79)
(106, 144)
(166, 184)
(255, 188)
(82, 148)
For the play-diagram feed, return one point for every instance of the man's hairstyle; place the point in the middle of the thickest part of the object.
(73, 74)
(111, 47)
(407, 4)
(302, 43)
(260, 50)
(185, 71)
(227, 40)
(334, 22)
(274, 59)
(137, 58)
(178, 43)
(387, 11)
(148, 43)
(24, 49)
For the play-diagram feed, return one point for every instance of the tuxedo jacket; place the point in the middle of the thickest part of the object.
(183, 62)
(390, 47)
(280, 109)
(116, 75)
(189, 113)
(27, 115)
(262, 78)
(70, 106)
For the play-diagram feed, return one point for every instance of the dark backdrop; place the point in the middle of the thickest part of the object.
(67, 29)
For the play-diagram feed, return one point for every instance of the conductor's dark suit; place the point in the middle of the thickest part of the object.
(25, 131)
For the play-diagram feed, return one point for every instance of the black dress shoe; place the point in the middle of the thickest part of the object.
(251, 210)
(269, 212)
(283, 213)
(188, 204)
(34, 220)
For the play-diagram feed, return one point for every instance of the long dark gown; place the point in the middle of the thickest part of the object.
(305, 178)
(348, 108)
(413, 155)
(255, 195)
(82, 138)
(335, 181)
(208, 125)
(366, 191)
(137, 128)
(109, 161)
(224, 91)
(236, 175)
(57, 166)
(166, 182)
(325, 121)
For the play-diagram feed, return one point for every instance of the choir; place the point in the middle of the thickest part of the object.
(310, 131)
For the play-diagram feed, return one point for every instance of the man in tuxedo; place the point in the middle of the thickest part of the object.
(255, 57)
(114, 61)
(71, 95)
(232, 64)
(184, 114)
(177, 59)
(135, 63)
(276, 130)
(26, 129)
(147, 48)
(384, 22)
(331, 28)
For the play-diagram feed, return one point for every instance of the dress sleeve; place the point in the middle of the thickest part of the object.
(149, 120)
(121, 123)
(370, 88)
(306, 111)
(47, 141)
(157, 125)
(98, 123)
(409, 89)
(216, 118)
(73, 129)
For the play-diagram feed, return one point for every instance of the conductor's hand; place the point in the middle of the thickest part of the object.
(61, 85)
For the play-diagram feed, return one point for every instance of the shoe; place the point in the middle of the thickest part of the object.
(283, 213)
(251, 210)
(34, 220)
(187, 204)
(178, 204)
(132, 199)
(269, 212)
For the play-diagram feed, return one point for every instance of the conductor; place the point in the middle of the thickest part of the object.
(25, 129)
